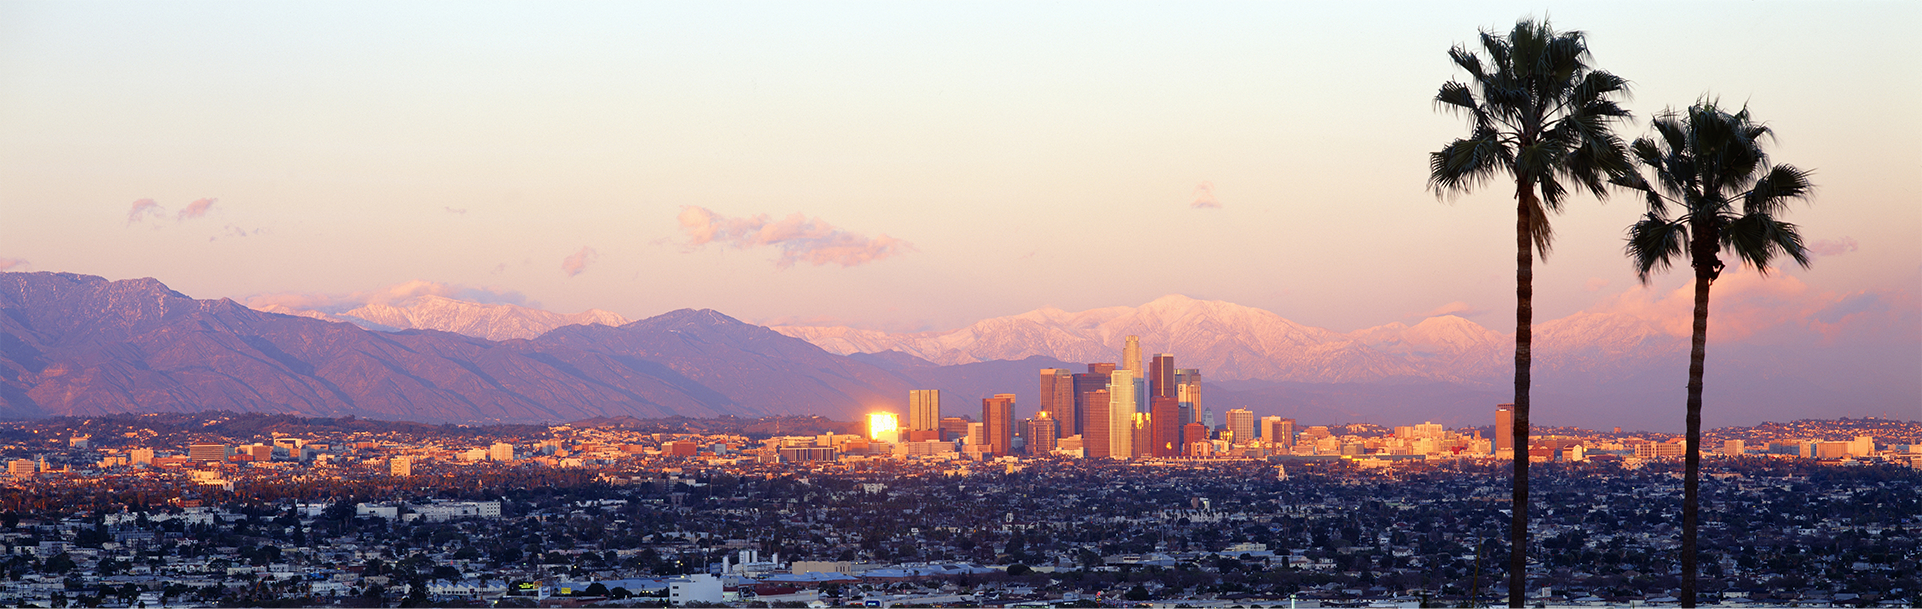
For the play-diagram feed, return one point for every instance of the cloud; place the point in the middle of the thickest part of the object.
(799, 238)
(1595, 284)
(576, 263)
(1832, 247)
(1457, 308)
(1204, 197)
(8, 264)
(196, 209)
(456, 210)
(1778, 309)
(142, 209)
(395, 294)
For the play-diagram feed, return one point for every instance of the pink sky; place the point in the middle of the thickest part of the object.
(902, 167)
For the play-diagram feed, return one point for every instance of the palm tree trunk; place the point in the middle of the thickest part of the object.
(1692, 469)
(1524, 319)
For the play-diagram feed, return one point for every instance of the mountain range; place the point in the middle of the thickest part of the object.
(492, 321)
(82, 345)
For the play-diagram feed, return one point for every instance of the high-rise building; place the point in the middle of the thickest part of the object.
(1241, 423)
(1188, 390)
(1042, 432)
(1278, 431)
(1161, 377)
(953, 428)
(1208, 418)
(1095, 379)
(1504, 427)
(1166, 417)
(141, 456)
(1057, 399)
(997, 413)
(207, 452)
(1143, 434)
(1121, 413)
(22, 468)
(978, 437)
(924, 409)
(1191, 434)
(401, 466)
(501, 451)
(1131, 356)
(1094, 440)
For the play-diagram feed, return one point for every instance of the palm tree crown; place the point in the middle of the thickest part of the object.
(1714, 184)
(1536, 111)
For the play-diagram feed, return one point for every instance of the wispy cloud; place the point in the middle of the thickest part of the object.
(1833, 247)
(389, 295)
(799, 238)
(1595, 284)
(10, 264)
(141, 209)
(1457, 308)
(577, 262)
(196, 209)
(1204, 197)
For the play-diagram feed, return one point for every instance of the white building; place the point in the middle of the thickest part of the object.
(702, 588)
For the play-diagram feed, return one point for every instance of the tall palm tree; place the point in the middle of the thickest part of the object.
(1539, 113)
(1714, 190)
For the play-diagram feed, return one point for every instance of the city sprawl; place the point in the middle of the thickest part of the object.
(249, 509)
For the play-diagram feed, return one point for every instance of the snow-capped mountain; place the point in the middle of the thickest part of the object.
(491, 321)
(1234, 342)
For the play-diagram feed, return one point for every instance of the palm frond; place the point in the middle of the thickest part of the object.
(1772, 193)
(1758, 238)
(1653, 244)
(1465, 164)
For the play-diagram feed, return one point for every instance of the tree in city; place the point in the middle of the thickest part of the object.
(1539, 113)
(1714, 190)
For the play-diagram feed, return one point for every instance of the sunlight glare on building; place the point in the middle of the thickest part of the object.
(884, 427)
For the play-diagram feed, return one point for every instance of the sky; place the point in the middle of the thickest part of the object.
(896, 166)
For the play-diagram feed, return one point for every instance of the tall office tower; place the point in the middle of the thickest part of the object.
(1094, 440)
(1121, 411)
(1208, 419)
(1131, 356)
(1269, 431)
(924, 409)
(1504, 427)
(1143, 433)
(1042, 432)
(500, 451)
(1096, 378)
(1241, 422)
(1189, 380)
(978, 436)
(1057, 399)
(1161, 376)
(1190, 434)
(998, 414)
(1167, 422)
(1284, 431)
(401, 467)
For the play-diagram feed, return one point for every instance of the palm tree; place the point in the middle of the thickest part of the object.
(1539, 113)
(1710, 168)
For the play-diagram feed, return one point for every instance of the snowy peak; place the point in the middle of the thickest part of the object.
(492, 321)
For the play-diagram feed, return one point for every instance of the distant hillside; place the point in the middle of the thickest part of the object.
(81, 345)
